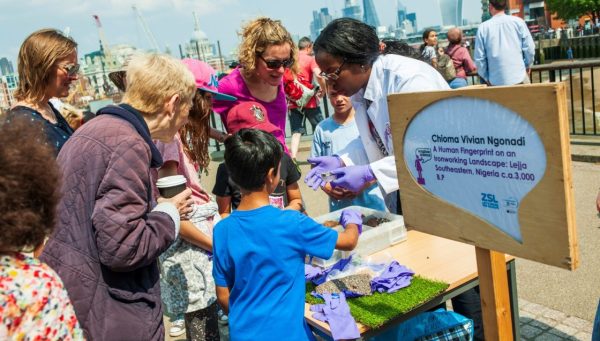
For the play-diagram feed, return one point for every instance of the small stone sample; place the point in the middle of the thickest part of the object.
(374, 221)
(359, 283)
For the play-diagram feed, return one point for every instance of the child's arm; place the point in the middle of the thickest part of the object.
(351, 220)
(223, 298)
(294, 197)
(224, 204)
(348, 238)
(190, 233)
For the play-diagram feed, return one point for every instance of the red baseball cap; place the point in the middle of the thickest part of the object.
(250, 115)
(206, 78)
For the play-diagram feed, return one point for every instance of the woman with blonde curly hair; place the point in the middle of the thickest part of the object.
(267, 49)
(47, 67)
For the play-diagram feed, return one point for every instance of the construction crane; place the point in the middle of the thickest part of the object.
(105, 49)
(149, 34)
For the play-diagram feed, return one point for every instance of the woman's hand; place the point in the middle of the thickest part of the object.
(182, 201)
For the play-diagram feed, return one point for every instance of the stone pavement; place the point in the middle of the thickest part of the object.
(540, 323)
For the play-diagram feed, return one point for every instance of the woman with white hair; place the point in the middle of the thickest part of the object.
(109, 233)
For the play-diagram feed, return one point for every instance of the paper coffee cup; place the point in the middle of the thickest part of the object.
(170, 186)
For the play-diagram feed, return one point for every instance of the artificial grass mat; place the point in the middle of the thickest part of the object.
(373, 311)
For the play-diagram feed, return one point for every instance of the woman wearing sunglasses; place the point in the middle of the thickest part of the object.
(267, 49)
(47, 67)
(354, 64)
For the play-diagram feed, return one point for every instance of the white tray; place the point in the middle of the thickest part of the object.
(372, 239)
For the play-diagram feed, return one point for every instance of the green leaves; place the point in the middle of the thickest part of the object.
(573, 9)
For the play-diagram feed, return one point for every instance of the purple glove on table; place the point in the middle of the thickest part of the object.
(321, 164)
(339, 265)
(394, 278)
(350, 216)
(311, 272)
(352, 178)
(336, 312)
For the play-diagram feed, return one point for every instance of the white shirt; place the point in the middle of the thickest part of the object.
(390, 74)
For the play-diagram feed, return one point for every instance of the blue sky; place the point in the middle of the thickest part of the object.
(172, 23)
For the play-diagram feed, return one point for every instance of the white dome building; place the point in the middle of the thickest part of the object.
(199, 47)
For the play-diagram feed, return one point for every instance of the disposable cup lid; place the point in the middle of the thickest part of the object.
(171, 181)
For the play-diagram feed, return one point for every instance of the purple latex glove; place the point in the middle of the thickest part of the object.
(336, 312)
(339, 265)
(321, 164)
(353, 178)
(394, 278)
(350, 216)
(312, 272)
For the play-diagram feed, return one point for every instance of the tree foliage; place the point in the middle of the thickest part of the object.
(573, 9)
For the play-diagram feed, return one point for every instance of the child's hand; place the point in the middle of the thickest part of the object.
(182, 201)
(350, 216)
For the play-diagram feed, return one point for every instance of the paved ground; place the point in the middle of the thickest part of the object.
(554, 304)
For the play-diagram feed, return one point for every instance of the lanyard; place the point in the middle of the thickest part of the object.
(375, 134)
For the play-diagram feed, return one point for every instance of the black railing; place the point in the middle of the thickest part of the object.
(579, 77)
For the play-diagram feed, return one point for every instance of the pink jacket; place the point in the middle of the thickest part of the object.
(462, 60)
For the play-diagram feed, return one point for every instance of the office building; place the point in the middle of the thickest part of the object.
(412, 17)
(400, 14)
(320, 20)
(352, 10)
(8, 85)
(370, 14)
(451, 11)
(6, 67)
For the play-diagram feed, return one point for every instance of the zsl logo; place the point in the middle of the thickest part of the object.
(489, 200)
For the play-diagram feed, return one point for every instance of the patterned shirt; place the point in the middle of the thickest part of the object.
(33, 302)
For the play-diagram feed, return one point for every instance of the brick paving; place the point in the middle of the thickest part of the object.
(540, 323)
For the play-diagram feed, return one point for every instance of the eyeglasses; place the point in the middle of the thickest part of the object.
(335, 75)
(275, 64)
(70, 69)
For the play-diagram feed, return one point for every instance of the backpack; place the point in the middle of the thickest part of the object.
(297, 88)
(446, 67)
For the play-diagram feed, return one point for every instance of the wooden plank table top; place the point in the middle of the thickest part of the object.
(428, 256)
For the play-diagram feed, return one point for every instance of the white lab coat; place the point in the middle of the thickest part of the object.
(390, 74)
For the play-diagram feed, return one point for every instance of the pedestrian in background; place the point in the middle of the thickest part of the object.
(504, 48)
(309, 71)
(463, 64)
(429, 47)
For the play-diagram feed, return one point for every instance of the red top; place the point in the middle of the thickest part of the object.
(462, 60)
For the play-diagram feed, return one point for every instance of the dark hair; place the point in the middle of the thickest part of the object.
(426, 34)
(499, 5)
(29, 181)
(350, 39)
(249, 154)
(304, 42)
(399, 47)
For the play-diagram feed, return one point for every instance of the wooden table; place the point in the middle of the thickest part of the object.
(434, 258)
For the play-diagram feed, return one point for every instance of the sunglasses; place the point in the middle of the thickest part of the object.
(70, 69)
(275, 64)
(335, 75)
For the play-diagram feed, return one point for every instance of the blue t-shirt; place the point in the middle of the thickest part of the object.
(332, 138)
(259, 255)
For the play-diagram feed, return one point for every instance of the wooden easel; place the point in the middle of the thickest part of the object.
(493, 289)
(546, 213)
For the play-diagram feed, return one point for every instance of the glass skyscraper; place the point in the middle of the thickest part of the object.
(451, 12)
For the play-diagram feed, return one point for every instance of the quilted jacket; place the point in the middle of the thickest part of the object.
(107, 240)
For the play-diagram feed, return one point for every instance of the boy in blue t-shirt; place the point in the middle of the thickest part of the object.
(338, 135)
(259, 250)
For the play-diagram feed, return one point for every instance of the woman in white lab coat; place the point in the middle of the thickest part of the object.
(354, 64)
